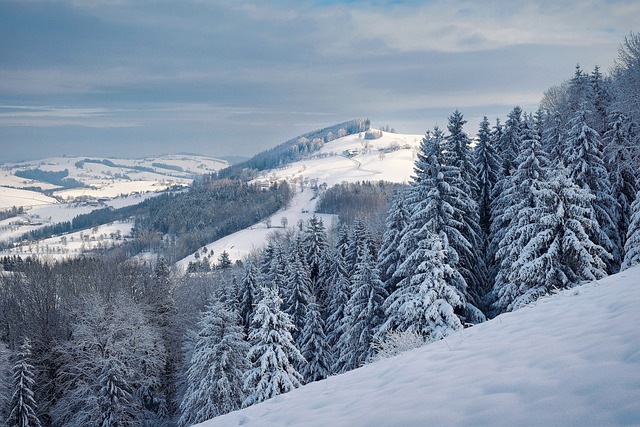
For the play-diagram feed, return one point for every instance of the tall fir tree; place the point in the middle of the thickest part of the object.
(457, 153)
(439, 206)
(510, 142)
(514, 214)
(585, 163)
(215, 378)
(298, 293)
(632, 245)
(114, 396)
(273, 351)
(389, 257)
(314, 346)
(619, 156)
(23, 408)
(427, 301)
(363, 313)
(250, 297)
(488, 166)
(315, 245)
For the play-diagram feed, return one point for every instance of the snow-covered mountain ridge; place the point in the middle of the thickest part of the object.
(572, 359)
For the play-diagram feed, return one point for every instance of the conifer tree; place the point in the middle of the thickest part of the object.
(515, 218)
(510, 143)
(488, 165)
(457, 153)
(619, 160)
(5, 374)
(114, 397)
(632, 245)
(23, 408)
(298, 293)
(363, 313)
(426, 300)
(438, 205)
(272, 352)
(584, 161)
(314, 346)
(249, 289)
(216, 371)
(389, 257)
(315, 245)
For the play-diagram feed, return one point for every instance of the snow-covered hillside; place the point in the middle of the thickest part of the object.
(353, 158)
(109, 182)
(572, 359)
(348, 159)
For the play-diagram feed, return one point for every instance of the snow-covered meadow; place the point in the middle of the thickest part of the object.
(571, 359)
(108, 183)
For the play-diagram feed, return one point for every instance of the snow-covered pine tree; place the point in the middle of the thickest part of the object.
(389, 257)
(619, 159)
(553, 140)
(339, 294)
(363, 313)
(584, 161)
(438, 205)
(463, 190)
(114, 396)
(314, 242)
(632, 245)
(314, 346)
(5, 373)
(23, 408)
(427, 299)
(272, 353)
(216, 371)
(359, 236)
(517, 216)
(488, 165)
(457, 152)
(557, 252)
(298, 293)
(249, 289)
(510, 143)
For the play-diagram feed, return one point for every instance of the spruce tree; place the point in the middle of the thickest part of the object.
(514, 222)
(249, 289)
(114, 397)
(273, 351)
(314, 346)
(427, 299)
(23, 408)
(510, 143)
(457, 153)
(487, 164)
(389, 257)
(215, 377)
(632, 245)
(439, 206)
(363, 313)
(619, 160)
(584, 161)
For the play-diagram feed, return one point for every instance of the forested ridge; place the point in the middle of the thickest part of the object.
(541, 202)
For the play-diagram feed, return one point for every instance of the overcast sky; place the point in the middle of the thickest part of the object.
(132, 78)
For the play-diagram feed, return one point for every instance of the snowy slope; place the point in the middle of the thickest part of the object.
(389, 158)
(569, 360)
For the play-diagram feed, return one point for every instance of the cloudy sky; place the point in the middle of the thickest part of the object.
(231, 77)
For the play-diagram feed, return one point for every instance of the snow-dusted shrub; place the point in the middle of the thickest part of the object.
(395, 342)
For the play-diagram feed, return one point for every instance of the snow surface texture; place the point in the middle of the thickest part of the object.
(572, 359)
